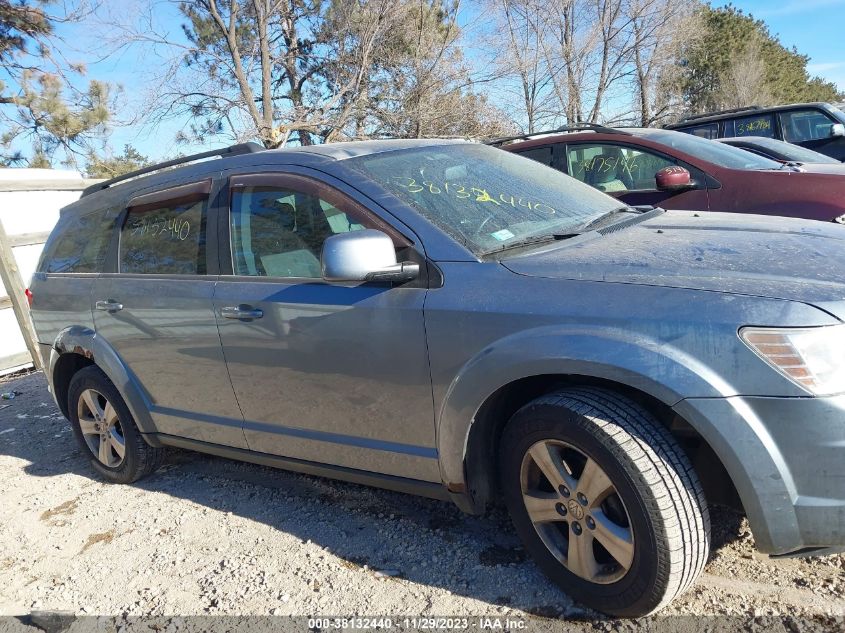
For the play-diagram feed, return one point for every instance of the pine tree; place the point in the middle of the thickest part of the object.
(44, 115)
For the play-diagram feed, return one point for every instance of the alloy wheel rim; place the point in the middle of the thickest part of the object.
(577, 511)
(101, 428)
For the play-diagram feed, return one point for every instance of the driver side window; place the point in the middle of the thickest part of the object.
(278, 231)
(614, 168)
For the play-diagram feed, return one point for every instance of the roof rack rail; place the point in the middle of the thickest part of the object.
(578, 127)
(232, 150)
(695, 117)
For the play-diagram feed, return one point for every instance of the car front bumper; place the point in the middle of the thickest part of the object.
(786, 457)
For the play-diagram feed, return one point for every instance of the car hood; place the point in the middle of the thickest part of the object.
(779, 258)
(833, 169)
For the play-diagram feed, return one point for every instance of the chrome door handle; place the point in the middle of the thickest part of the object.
(242, 312)
(108, 306)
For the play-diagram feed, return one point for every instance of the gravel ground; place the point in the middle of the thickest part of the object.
(211, 536)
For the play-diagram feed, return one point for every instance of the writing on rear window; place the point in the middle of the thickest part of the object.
(169, 240)
(174, 228)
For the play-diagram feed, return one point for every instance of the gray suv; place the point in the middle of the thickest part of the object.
(451, 320)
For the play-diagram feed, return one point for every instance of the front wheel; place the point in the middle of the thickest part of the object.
(605, 500)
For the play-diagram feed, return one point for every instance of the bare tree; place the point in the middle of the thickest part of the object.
(309, 70)
(744, 81)
(515, 46)
(661, 30)
(260, 68)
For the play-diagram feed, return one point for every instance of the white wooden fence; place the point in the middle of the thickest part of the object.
(30, 200)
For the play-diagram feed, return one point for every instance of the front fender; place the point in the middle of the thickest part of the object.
(658, 369)
(85, 342)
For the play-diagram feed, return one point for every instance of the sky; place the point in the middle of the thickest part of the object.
(813, 26)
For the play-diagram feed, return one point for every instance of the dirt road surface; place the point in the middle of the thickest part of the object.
(211, 536)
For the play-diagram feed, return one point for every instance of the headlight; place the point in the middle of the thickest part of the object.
(813, 358)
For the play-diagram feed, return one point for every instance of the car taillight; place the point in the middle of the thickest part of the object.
(28, 294)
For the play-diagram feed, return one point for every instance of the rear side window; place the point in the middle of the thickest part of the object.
(540, 154)
(705, 130)
(80, 244)
(756, 125)
(165, 238)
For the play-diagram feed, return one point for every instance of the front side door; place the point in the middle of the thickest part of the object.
(155, 310)
(812, 128)
(628, 173)
(335, 373)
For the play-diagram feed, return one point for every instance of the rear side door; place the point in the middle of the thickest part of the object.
(154, 308)
(335, 373)
(628, 173)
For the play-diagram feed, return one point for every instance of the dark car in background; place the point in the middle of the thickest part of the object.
(816, 126)
(647, 166)
(784, 152)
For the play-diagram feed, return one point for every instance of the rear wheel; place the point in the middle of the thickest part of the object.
(605, 500)
(106, 430)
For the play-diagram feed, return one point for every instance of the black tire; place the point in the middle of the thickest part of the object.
(664, 505)
(140, 459)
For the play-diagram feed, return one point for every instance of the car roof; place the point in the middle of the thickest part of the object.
(108, 193)
(618, 135)
(352, 149)
(751, 140)
(709, 117)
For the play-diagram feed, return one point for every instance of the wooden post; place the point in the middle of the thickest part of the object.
(11, 277)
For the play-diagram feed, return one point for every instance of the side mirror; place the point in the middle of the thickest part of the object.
(674, 178)
(366, 255)
(837, 129)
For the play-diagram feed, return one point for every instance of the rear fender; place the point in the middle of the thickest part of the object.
(84, 341)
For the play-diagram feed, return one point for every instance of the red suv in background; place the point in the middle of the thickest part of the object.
(673, 170)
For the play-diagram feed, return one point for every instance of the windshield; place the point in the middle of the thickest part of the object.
(790, 151)
(484, 197)
(711, 151)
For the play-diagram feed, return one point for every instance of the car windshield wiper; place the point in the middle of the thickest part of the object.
(604, 216)
(533, 240)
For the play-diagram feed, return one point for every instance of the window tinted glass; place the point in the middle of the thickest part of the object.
(706, 130)
(81, 243)
(805, 125)
(484, 197)
(279, 232)
(540, 154)
(169, 239)
(787, 151)
(711, 151)
(613, 168)
(757, 125)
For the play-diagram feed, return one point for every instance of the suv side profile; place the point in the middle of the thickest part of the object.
(447, 319)
(816, 126)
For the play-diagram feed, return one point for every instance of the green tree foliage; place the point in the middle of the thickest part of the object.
(732, 39)
(110, 167)
(46, 112)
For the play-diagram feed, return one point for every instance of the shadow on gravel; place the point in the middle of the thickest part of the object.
(406, 538)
